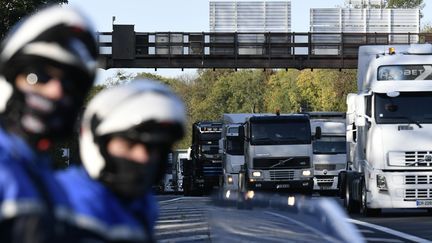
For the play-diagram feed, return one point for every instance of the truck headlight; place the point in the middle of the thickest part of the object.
(306, 173)
(291, 201)
(256, 174)
(228, 194)
(230, 179)
(250, 194)
(382, 183)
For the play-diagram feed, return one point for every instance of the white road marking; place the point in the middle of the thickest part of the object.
(384, 240)
(328, 238)
(365, 231)
(389, 231)
(186, 238)
(170, 200)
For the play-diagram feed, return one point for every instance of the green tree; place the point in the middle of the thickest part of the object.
(11, 11)
(281, 92)
(120, 77)
(405, 4)
(325, 90)
(427, 28)
(238, 92)
(71, 143)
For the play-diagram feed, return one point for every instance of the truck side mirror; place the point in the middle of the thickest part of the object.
(317, 132)
(241, 133)
(350, 113)
(360, 105)
(349, 133)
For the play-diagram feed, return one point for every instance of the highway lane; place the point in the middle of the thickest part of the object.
(186, 219)
(411, 225)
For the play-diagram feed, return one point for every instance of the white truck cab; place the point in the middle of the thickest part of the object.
(329, 151)
(389, 130)
(232, 149)
(278, 153)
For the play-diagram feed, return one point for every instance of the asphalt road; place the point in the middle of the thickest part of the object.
(197, 219)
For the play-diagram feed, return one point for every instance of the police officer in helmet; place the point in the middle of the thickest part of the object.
(47, 66)
(126, 135)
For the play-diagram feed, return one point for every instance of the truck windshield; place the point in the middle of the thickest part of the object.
(329, 145)
(281, 132)
(209, 149)
(210, 136)
(234, 146)
(408, 107)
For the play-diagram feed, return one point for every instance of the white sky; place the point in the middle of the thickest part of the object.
(183, 15)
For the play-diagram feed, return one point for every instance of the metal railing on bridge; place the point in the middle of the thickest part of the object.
(125, 48)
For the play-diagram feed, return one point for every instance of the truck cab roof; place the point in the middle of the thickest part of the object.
(371, 58)
(291, 117)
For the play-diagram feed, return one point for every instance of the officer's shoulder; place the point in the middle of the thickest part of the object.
(70, 172)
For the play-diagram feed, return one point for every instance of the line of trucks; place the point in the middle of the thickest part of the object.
(377, 155)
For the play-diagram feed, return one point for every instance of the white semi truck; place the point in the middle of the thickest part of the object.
(232, 149)
(278, 154)
(389, 130)
(179, 157)
(329, 152)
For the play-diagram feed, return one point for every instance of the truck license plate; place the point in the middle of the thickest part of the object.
(424, 203)
(326, 188)
(282, 186)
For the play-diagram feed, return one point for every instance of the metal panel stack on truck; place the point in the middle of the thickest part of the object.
(389, 130)
(278, 154)
(329, 152)
(202, 172)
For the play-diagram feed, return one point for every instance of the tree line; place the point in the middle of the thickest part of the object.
(215, 92)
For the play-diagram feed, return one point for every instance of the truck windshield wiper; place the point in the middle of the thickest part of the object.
(414, 163)
(409, 119)
(262, 139)
(281, 162)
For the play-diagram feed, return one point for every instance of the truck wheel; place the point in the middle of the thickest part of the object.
(342, 184)
(351, 205)
(364, 210)
(186, 191)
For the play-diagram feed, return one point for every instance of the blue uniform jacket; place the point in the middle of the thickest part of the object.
(21, 198)
(98, 211)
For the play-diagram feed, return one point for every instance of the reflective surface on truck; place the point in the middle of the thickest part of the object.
(280, 133)
(406, 107)
(329, 158)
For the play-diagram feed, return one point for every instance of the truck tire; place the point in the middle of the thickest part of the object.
(364, 210)
(352, 205)
(342, 184)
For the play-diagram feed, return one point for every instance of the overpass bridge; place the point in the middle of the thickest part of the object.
(125, 48)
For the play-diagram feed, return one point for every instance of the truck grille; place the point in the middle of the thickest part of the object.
(281, 163)
(281, 175)
(418, 158)
(325, 167)
(413, 194)
(411, 158)
(324, 181)
(418, 179)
